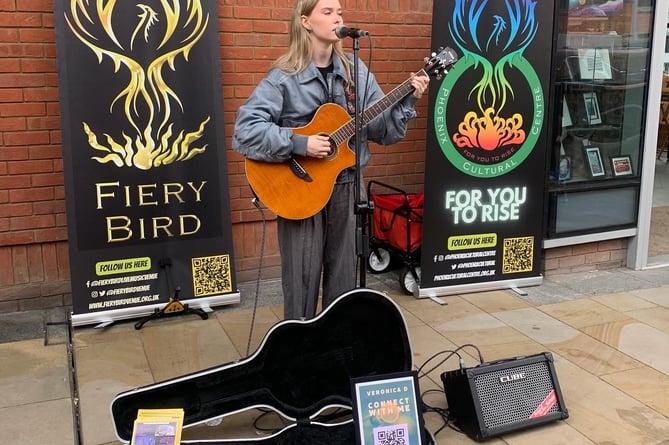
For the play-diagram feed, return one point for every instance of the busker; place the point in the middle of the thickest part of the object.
(315, 70)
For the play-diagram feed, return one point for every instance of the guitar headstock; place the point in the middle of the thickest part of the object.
(438, 64)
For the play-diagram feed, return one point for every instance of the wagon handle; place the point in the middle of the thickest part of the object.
(369, 188)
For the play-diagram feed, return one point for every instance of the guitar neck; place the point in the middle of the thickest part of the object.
(347, 131)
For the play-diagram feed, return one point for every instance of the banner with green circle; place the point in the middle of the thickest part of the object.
(501, 165)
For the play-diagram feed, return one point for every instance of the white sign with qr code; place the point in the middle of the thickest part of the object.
(387, 409)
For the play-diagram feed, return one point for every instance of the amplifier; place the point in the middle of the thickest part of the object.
(503, 396)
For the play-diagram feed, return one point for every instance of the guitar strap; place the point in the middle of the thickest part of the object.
(349, 92)
(330, 82)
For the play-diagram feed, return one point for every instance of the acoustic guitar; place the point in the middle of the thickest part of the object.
(300, 187)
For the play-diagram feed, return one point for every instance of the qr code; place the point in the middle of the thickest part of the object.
(518, 255)
(211, 275)
(392, 435)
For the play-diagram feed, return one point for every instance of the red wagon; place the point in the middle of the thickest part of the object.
(396, 232)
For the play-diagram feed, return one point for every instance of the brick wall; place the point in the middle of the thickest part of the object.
(34, 276)
(584, 257)
(34, 266)
(34, 269)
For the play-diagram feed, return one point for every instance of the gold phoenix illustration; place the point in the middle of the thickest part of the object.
(163, 32)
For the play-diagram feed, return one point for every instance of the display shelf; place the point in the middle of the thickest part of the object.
(606, 85)
(585, 184)
(600, 86)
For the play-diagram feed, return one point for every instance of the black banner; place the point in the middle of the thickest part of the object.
(144, 155)
(487, 145)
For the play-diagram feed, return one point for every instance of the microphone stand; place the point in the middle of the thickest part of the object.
(362, 208)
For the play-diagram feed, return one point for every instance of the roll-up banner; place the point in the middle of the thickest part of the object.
(144, 157)
(486, 147)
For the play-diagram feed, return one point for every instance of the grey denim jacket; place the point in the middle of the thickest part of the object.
(282, 101)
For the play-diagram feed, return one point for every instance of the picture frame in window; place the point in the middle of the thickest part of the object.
(621, 165)
(591, 108)
(564, 168)
(594, 64)
(594, 161)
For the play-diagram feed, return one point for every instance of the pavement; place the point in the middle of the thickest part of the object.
(51, 323)
(40, 377)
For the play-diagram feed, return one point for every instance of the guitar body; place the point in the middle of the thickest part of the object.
(291, 197)
(300, 368)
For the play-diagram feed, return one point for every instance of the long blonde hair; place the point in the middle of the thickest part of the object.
(300, 51)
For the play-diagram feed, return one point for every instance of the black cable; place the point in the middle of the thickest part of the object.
(444, 413)
(166, 265)
(264, 412)
(427, 408)
(369, 70)
(256, 203)
(451, 354)
(478, 351)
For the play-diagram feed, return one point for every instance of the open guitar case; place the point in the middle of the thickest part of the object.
(300, 369)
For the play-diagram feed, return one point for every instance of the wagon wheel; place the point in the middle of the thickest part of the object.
(408, 281)
(379, 260)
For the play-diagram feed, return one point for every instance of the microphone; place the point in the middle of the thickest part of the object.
(343, 32)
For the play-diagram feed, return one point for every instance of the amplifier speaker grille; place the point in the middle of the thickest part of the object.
(503, 396)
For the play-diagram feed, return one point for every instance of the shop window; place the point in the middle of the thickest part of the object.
(600, 88)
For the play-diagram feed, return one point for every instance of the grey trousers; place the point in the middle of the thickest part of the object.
(322, 244)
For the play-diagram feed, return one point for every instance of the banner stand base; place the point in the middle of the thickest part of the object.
(438, 300)
(172, 308)
(513, 285)
(103, 319)
(519, 291)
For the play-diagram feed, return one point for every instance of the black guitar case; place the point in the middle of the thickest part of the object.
(300, 368)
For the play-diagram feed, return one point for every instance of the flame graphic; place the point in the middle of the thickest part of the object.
(489, 132)
(147, 101)
(495, 46)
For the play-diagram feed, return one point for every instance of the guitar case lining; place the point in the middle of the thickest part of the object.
(300, 368)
